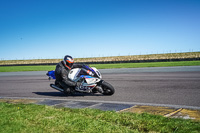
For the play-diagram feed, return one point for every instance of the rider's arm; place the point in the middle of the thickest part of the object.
(87, 71)
(84, 69)
(66, 80)
(77, 65)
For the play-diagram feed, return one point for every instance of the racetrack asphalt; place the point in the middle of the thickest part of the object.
(177, 87)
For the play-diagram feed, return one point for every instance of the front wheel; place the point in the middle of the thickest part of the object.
(108, 89)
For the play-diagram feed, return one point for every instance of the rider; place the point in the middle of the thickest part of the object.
(62, 71)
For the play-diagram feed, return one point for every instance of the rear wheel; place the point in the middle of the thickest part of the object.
(108, 89)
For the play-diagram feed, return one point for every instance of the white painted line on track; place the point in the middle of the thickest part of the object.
(114, 102)
(94, 105)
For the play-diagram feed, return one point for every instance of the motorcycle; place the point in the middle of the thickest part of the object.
(89, 84)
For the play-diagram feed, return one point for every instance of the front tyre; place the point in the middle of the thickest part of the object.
(108, 89)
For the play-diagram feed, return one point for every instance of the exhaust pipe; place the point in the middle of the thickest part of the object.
(57, 88)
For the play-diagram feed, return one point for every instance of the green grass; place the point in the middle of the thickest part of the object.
(152, 64)
(26, 68)
(103, 66)
(21, 118)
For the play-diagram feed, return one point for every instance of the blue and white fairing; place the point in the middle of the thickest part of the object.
(88, 82)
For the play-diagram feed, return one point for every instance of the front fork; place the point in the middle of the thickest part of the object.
(98, 87)
(100, 82)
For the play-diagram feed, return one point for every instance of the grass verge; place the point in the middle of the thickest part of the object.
(151, 64)
(103, 66)
(26, 68)
(40, 118)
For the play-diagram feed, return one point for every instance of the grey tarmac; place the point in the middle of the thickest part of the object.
(175, 86)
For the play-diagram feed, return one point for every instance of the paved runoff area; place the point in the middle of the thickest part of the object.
(172, 112)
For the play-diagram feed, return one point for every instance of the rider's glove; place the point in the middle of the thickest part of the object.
(91, 74)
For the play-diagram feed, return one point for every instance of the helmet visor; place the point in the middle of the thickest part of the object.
(70, 65)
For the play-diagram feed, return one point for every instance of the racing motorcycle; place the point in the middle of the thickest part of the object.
(89, 84)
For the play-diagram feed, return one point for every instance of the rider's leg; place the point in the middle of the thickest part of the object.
(67, 89)
(57, 83)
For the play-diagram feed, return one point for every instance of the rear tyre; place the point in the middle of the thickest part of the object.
(108, 89)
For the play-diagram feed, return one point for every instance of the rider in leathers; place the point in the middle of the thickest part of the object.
(62, 71)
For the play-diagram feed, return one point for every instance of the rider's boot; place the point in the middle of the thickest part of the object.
(67, 90)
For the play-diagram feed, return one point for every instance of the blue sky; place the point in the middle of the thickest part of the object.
(40, 29)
